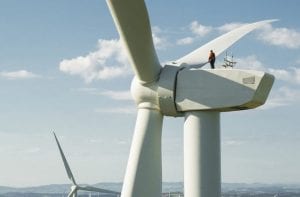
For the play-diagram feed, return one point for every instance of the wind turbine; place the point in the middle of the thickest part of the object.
(181, 88)
(75, 187)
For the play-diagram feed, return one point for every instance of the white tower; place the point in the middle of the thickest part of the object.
(181, 89)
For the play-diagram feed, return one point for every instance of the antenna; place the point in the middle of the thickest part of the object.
(229, 62)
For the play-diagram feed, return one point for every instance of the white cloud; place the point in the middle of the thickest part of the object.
(118, 110)
(250, 62)
(282, 97)
(272, 103)
(159, 41)
(229, 26)
(281, 74)
(109, 61)
(20, 74)
(297, 74)
(124, 95)
(283, 37)
(185, 41)
(290, 74)
(199, 30)
(117, 95)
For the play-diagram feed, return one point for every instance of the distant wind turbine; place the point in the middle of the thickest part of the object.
(75, 187)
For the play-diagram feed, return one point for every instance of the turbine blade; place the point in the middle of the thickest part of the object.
(67, 167)
(96, 189)
(132, 21)
(199, 56)
(144, 172)
(73, 192)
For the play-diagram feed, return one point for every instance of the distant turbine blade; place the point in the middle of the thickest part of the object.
(67, 167)
(95, 189)
(132, 22)
(199, 57)
(73, 192)
(144, 172)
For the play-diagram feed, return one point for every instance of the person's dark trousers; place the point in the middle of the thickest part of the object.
(212, 64)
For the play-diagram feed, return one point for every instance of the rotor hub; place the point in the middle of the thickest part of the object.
(145, 95)
(160, 94)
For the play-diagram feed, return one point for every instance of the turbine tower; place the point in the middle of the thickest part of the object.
(75, 187)
(181, 88)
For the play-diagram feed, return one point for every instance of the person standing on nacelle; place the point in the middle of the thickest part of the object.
(212, 59)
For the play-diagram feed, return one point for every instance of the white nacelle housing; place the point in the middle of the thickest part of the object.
(221, 89)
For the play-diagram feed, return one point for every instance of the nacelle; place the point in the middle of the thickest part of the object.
(221, 89)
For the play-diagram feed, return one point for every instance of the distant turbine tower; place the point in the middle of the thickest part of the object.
(75, 187)
(181, 88)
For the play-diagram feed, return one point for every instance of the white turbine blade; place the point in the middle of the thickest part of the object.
(96, 189)
(73, 192)
(144, 172)
(67, 167)
(132, 21)
(199, 57)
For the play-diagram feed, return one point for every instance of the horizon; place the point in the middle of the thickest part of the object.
(176, 182)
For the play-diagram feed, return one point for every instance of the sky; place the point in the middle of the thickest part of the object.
(63, 69)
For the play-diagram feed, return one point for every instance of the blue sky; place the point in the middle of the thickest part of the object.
(62, 69)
